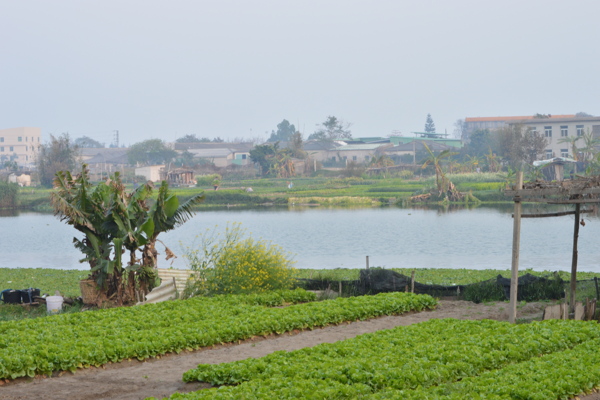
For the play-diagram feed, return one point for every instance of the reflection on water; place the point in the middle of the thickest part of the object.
(8, 212)
(419, 237)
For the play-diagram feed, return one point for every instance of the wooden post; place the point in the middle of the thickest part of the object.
(514, 276)
(367, 262)
(574, 259)
(412, 281)
(340, 291)
(597, 290)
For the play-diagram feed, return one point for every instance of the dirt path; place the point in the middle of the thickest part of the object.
(162, 377)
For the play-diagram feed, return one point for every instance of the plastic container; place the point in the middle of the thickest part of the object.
(27, 295)
(54, 304)
(11, 296)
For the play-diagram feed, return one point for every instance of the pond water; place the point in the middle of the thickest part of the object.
(477, 238)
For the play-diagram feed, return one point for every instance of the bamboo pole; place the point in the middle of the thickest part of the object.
(574, 260)
(514, 276)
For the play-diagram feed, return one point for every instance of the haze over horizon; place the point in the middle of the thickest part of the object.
(235, 69)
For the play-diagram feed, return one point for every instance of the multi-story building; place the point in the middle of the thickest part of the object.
(473, 124)
(561, 132)
(20, 145)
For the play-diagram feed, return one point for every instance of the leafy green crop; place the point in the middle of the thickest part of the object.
(71, 341)
(437, 359)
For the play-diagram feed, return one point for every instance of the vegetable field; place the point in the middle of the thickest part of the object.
(94, 338)
(438, 359)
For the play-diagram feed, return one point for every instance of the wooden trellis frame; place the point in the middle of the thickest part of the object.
(576, 192)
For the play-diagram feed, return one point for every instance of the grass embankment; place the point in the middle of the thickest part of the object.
(67, 282)
(47, 280)
(364, 192)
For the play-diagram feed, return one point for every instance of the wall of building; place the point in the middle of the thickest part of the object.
(555, 131)
(20, 145)
(151, 173)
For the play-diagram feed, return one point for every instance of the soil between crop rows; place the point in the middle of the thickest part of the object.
(132, 380)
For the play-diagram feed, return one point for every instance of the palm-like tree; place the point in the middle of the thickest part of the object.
(436, 161)
(509, 177)
(590, 145)
(381, 161)
(492, 161)
(572, 141)
(114, 221)
(472, 162)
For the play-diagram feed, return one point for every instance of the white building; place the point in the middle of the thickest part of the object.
(150, 172)
(558, 130)
(20, 145)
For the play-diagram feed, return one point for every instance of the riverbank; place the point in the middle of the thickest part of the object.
(365, 192)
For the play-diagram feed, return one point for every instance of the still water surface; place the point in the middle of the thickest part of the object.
(329, 238)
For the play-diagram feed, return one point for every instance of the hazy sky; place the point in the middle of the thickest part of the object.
(163, 69)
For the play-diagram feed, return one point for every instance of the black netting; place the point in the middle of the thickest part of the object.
(530, 287)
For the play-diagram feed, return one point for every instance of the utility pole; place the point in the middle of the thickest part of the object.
(116, 139)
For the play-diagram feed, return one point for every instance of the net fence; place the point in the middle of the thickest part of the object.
(530, 287)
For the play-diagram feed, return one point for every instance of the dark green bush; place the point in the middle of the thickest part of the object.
(8, 194)
(483, 291)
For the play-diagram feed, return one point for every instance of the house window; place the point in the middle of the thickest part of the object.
(11, 148)
(367, 158)
(354, 158)
(1, 139)
(564, 131)
(20, 138)
(579, 130)
(564, 153)
(548, 131)
(244, 156)
(548, 154)
(533, 130)
(26, 138)
(2, 149)
(333, 159)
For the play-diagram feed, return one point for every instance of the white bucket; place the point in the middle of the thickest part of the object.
(54, 304)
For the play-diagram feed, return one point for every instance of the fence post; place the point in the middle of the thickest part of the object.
(514, 276)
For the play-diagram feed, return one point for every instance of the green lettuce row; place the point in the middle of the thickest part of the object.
(71, 341)
(425, 354)
(560, 375)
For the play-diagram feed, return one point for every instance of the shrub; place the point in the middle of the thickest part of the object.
(207, 180)
(8, 194)
(406, 174)
(236, 264)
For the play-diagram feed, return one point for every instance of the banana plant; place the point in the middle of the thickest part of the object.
(114, 221)
(436, 161)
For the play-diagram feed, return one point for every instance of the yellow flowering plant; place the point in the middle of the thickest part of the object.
(237, 264)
